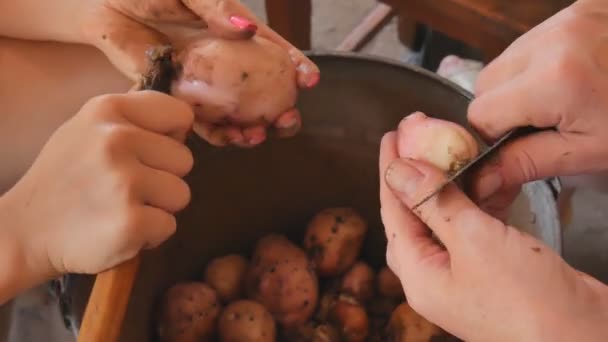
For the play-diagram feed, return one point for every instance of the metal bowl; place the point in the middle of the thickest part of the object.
(240, 195)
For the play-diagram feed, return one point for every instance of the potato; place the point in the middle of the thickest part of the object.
(389, 284)
(227, 276)
(333, 240)
(188, 313)
(407, 325)
(444, 144)
(359, 282)
(244, 82)
(283, 280)
(326, 333)
(246, 321)
(310, 332)
(351, 320)
(382, 306)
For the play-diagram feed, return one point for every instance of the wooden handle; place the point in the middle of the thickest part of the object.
(108, 303)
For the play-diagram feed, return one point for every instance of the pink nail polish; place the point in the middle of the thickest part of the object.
(243, 24)
(314, 80)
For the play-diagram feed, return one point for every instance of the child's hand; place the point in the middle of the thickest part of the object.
(106, 185)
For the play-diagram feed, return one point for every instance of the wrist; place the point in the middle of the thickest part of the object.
(19, 266)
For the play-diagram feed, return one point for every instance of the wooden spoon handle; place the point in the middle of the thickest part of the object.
(108, 303)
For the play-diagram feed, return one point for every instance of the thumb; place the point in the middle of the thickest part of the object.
(224, 18)
(534, 157)
(123, 40)
(451, 215)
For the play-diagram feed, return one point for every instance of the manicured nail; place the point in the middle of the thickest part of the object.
(488, 185)
(287, 123)
(243, 24)
(313, 80)
(403, 178)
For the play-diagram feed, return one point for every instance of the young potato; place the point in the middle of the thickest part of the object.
(246, 321)
(310, 332)
(283, 280)
(243, 82)
(359, 282)
(333, 240)
(188, 313)
(227, 276)
(389, 284)
(351, 319)
(441, 143)
(407, 325)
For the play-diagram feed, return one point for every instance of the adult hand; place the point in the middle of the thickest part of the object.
(105, 186)
(554, 76)
(490, 282)
(125, 29)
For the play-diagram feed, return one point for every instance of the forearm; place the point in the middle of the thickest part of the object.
(43, 20)
(41, 86)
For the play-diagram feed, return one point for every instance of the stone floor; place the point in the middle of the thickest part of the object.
(586, 237)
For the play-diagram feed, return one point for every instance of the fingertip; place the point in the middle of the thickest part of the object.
(288, 124)
(254, 135)
(244, 24)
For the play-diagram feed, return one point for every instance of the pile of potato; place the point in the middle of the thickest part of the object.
(321, 292)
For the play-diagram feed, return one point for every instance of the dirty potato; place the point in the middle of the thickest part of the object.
(188, 313)
(389, 284)
(333, 240)
(227, 276)
(283, 280)
(407, 325)
(246, 321)
(351, 319)
(358, 282)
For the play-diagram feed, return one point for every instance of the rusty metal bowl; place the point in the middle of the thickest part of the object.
(240, 195)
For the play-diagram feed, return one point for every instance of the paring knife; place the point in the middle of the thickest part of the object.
(515, 133)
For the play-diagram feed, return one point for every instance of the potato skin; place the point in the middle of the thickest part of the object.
(227, 276)
(389, 284)
(407, 325)
(351, 320)
(246, 321)
(358, 282)
(282, 279)
(333, 240)
(188, 313)
(240, 81)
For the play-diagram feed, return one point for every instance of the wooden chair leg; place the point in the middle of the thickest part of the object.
(292, 20)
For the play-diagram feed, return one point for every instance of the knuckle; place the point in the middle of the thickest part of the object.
(566, 70)
(104, 106)
(114, 139)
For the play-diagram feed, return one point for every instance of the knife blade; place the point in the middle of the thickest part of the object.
(514, 133)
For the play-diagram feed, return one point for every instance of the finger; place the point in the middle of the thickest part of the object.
(308, 72)
(288, 124)
(535, 157)
(157, 112)
(517, 103)
(223, 18)
(155, 226)
(448, 214)
(123, 40)
(503, 69)
(163, 190)
(499, 204)
(254, 135)
(162, 153)
(220, 136)
(409, 241)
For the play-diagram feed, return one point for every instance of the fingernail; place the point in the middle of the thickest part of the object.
(243, 24)
(313, 80)
(488, 185)
(403, 178)
(287, 123)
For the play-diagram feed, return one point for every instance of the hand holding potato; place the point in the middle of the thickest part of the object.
(488, 281)
(555, 76)
(106, 185)
(110, 24)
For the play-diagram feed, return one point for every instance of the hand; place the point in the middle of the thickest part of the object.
(490, 282)
(554, 76)
(105, 186)
(125, 29)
